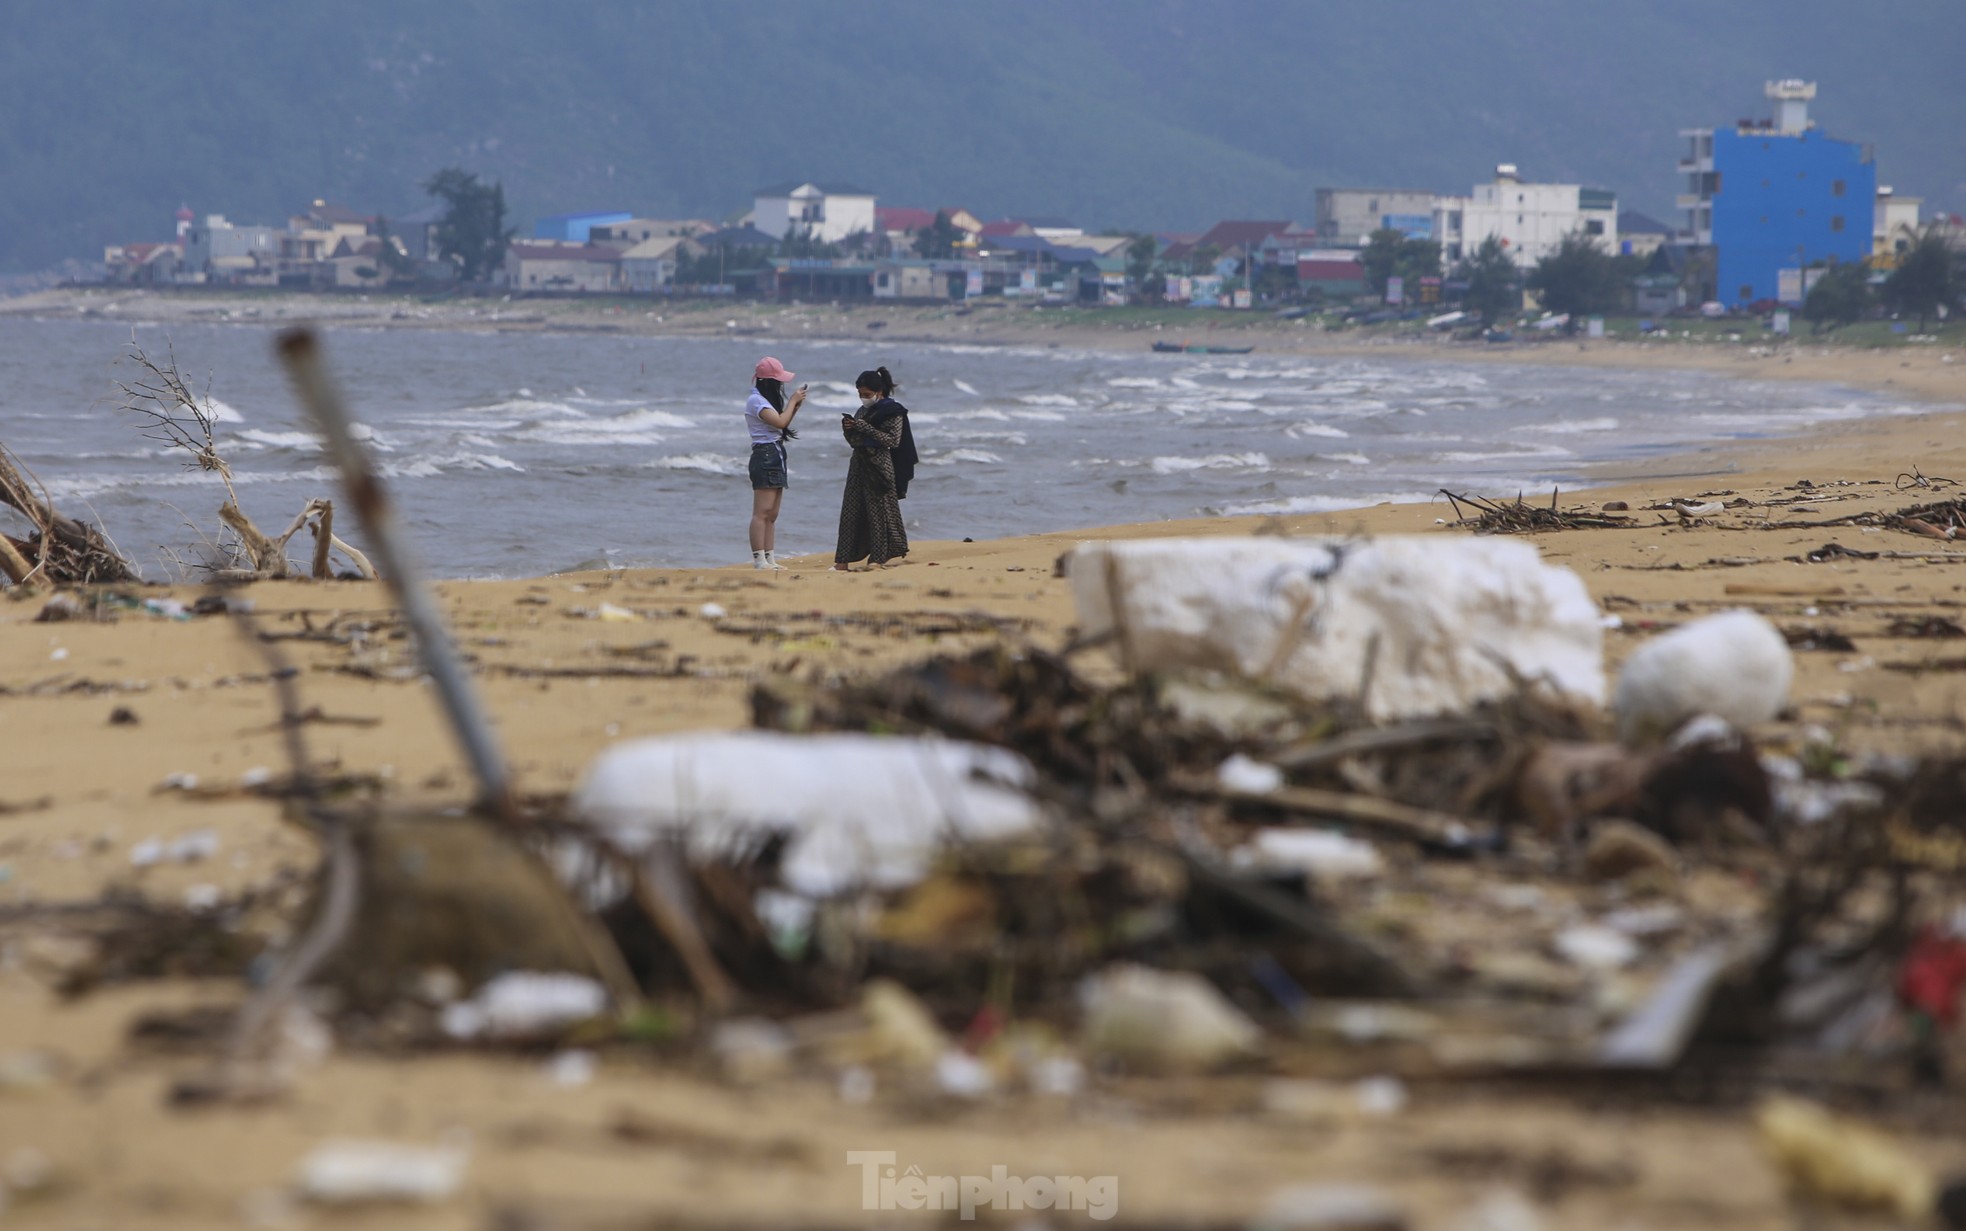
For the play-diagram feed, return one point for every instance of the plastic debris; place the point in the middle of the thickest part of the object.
(751, 1049)
(858, 810)
(1841, 1161)
(903, 1031)
(960, 1074)
(1163, 1020)
(1500, 1209)
(525, 1004)
(1735, 665)
(1317, 852)
(1596, 947)
(351, 1172)
(571, 1068)
(1412, 627)
(1330, 1207)
(1240, 773)
(712, 611)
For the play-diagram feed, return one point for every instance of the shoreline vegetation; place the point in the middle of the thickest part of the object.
(139, 747)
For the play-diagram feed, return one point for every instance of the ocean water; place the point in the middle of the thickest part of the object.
(519, 455)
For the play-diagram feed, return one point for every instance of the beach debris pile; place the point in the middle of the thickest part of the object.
(1520, 517)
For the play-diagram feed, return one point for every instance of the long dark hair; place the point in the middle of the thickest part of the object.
(880, 380)
(774, 391)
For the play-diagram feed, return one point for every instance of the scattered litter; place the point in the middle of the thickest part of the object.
(351, 1172)
(1843, 1162)
(1317, 852)
(614, 614)
(525, 1004)
(1330, 1207)
(1596, 947)
(571, 1068)
(1240, 773)
(1163, 1020)
(962, 1075)
(712, 611)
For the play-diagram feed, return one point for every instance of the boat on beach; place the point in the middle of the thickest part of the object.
(1183, 348)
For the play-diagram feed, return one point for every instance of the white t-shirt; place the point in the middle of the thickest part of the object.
(762, 433)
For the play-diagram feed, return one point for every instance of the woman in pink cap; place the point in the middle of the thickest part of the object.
(768, 414)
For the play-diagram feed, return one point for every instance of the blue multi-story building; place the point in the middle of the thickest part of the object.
(1774, 197)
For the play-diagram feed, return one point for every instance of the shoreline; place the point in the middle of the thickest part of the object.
(1932, 376)
(1929, 373)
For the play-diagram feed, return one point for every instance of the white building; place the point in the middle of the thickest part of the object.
(1347, 217)
(651, 264)
(1531, 220)
(548, 266)
(1894, 227)
(830, 212)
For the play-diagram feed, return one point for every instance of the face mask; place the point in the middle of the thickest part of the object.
(868, 399)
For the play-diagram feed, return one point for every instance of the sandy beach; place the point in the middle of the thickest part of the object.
(149, 728)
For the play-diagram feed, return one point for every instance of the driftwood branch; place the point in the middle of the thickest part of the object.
(66, 550)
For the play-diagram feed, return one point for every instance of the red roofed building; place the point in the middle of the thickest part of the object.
(902, 219)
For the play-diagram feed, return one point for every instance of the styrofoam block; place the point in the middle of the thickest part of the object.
(1419, 626)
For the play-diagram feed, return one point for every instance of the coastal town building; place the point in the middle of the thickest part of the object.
(1532, 220)
(1776, 196)
(577, 228)
(1641, 234)
(650, 265)
(548, 266)
(1347, 217)
(633, 231)
(1894, 227)
(827, 212)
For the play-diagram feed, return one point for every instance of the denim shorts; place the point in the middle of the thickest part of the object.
(768, 469)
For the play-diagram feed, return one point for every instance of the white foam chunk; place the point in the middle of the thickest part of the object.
(1735, 666)
(856, 810)
(1420, 626)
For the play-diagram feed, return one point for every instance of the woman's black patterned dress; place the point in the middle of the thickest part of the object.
(870, 513)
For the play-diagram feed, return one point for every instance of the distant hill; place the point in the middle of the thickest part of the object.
(1163, 114)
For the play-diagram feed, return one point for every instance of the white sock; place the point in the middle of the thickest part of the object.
(759, 559)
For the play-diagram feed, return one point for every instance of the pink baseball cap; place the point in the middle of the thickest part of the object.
(770, 369)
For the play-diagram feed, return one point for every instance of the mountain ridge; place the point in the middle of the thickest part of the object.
(1141, 114)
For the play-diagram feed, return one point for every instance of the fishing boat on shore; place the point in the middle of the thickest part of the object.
(1183, 348)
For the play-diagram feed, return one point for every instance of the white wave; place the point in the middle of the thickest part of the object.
(979, 456)
(256, 439)
(1569, 427)
(1135, 382)
(968, 388)
(84, 487)
(431, 467)
(221, 411)
(1504, 455)
(1009, 438)
(1214, 461)
(1231, 404)
(986, 413)
(635, 427)
(525, 406)
(1048, 399)
(703, 463)
(1317, 504)
(1354, 459)
(1039, 416)
(1301, 430)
